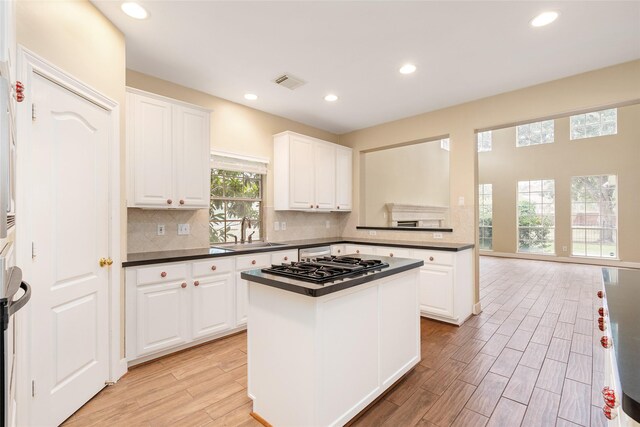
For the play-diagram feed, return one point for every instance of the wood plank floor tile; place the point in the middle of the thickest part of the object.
(520, 340)
(506, 362)
(584, 327)
(597, 384)
(486, 331)
(508, 327)
(507, 413)
(563, 330)
(436, 359)
(542, 409)
(413, 409)
(551, 376)
(468, 352)
(409, 385)
(549, 320)
(559, 350)
(469, 418)
(377, 415)
(495, 345)
(477, 369)
(542, 335)
(222, 407)
(582, 344)
(579, 368)
(575, 402)
(534, 355)
(443, 377)
(597, 417)
(521, 384)
(487, 395)
(530, 323)
(449, 405)
(564, 423)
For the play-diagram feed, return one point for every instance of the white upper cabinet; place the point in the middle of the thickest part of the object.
(8, 40)
(344, 183)
(307, 172)
(168, 146)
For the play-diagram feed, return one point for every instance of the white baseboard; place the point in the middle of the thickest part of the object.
(477, 308)
(571, 260)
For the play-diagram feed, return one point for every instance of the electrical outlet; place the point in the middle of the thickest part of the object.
(372, 232)
(327, 224)
(564, 249)
(160, 229)
(276, 226)
(437, 235)
(461, 201)
(283, 226)
(184, 229)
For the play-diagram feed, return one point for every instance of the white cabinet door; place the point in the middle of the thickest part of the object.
(161, 316)
(325, 175)
(191, 154)
(302, 170)
(436, 290)
(151, 156)
(211, 308)
(344, 167)
(242, 300)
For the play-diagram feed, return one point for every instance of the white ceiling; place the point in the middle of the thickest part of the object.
(463, 51)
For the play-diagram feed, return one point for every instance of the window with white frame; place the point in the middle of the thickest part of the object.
(595, 123)
(535, 133)
(444, 144)
(484, 141)
(485, 205)
(536, 216)
(236, 193)
(594, 216)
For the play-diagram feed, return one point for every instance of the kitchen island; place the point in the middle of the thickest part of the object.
(318, 354)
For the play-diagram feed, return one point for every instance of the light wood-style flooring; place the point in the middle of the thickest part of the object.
(532, 358)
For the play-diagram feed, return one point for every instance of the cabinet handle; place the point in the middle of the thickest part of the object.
(169, 201)
(163, 274)
(606, 343)
(391, 254)
(357, 251)
(610, 398)
(600, 294)
(183, 285)
(338, 207)
(317, 206)
(196, 283)
(286, 258)
(213, 267)
(609, 412)
(602, 312)
(181, 202)
(338, 250)
(311, 206)
(253, 262)
(430, 258)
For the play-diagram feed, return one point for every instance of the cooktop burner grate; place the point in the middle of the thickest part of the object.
(326, 269)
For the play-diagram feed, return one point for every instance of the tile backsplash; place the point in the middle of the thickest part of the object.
(142, 228)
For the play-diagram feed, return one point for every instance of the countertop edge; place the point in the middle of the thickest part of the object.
(288, 246)
(367, 278)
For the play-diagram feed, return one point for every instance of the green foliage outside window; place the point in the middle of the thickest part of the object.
(234, 195)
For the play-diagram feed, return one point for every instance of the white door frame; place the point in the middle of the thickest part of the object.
(29, 63)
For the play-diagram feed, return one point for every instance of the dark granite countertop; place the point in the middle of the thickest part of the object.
(396, 265)
(145, 258)
(622, 293)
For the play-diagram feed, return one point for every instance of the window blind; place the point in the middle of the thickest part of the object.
(238, 163)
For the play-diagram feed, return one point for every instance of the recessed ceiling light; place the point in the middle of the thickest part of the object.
(407, 69)
(331, 98)
(134, 10)
(545, 18)
(250, 96)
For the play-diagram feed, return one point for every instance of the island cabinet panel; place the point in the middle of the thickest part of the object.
(318, 361)
(244, 263)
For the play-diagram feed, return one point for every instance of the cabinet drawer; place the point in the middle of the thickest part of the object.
(284, 256)
(338, 250)
(392, 252)
(249, 262)
(358, 250)
(434, 257)
(212, 266)
(161, 274)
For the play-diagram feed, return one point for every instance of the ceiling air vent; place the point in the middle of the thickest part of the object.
(288, 81)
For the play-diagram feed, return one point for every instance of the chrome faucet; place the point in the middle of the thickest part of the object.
(243, 229)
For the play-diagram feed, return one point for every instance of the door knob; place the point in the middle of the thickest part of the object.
(102, 262)
(109, 261)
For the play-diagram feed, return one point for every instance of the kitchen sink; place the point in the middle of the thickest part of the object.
(247, 246)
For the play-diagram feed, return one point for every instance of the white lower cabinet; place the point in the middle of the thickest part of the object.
(436, 290)
(161, 317)
(174, 305)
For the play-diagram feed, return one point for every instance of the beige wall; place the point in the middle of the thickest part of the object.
(238, 129)
(597, 88)
(416, 174)
(506, 164)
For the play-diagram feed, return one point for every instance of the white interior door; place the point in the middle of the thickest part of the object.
(70, 227)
